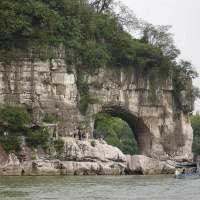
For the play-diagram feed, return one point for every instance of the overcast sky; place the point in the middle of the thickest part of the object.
(184, 16)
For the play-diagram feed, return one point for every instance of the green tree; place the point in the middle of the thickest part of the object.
(104, 128)
(38, 137)
(26, 23)
(181, 79)
(102, 5)
(14, 120)
(125, 136)
(10, 143)
(195, 122)
(160, 37)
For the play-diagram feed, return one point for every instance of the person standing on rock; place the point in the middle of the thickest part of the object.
(83, 135)
(79, 135)
(86, 134)
(94, 134)
(75, 133)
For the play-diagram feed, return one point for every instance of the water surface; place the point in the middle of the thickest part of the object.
(98, 187)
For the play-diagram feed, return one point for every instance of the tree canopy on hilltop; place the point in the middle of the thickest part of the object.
(93, 33)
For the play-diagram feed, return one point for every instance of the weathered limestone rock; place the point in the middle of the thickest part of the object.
(100, 159)
(80, 158)
(161, 126)
(9, 164)
(138, 164)
(43, 167)
(76, 158)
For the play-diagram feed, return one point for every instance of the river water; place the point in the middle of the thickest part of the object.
(162, 187)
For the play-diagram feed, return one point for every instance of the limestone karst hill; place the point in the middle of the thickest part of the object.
(72, 59)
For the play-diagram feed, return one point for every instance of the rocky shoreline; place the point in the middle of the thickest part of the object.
(79, 157)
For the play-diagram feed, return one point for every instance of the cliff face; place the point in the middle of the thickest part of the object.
(161, 125)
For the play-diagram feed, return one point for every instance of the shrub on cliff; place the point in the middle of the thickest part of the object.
(14, 120)
(58, 144)
(10, 143)
(13, 123)
(38, 137)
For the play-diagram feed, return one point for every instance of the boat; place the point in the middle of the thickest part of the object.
(186, 165)
(192, 172)
(189, 176)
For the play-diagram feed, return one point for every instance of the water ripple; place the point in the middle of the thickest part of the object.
(132, 187)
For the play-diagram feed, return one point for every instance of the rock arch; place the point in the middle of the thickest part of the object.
(139, 128)
(161, 125)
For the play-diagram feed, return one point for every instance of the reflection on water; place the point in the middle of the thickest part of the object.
(98, 187)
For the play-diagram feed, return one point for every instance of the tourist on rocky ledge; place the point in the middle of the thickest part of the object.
(79, 135)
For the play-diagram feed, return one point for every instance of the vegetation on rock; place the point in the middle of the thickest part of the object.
(38, 137)
(10, 143)
(50, 118)
(59, 144)
(94, 35)
(15, 123)
(13, 120)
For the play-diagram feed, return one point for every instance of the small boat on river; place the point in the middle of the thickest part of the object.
(187, 170)
(189, 176)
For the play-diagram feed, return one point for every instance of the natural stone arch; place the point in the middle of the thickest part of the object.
(140, 130)
(157, 116)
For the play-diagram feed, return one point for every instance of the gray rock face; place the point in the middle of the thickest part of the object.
(80, 158)
(9, 164)
(138, 164)
(161, 126)
(76, 158)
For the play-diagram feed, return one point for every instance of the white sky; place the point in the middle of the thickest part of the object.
(184, 16)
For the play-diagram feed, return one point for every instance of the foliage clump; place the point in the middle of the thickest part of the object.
(38, 137)
(195, 122)
(58, 144)
(14, 123)
(10, 143)
(13, 120)
(86, 100)
(93, 143)
(51, 118)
